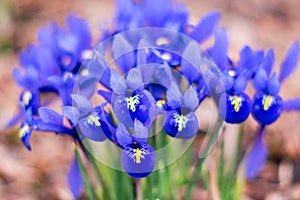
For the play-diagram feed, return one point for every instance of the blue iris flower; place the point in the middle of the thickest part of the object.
(86, 117)
(138, 157)
(37, 66)
(180, 120)
(64, 86)
(150, 13)
(162, 14)
(49, 120)
(131, 101)
(70, 45)
(267, 105)
(234, 103)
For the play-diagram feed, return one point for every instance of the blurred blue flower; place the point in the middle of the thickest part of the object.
(267, 105)
(234, 103)
(38, 65)
(49, 121)
(70, 45)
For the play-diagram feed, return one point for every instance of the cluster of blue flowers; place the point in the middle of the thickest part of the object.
(146, 82)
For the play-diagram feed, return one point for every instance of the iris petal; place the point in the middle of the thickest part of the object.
(268, 62)
(292, 104)
(266, 108)
(71, 113)
(257, 157)
(75, 180)
(134, 79)
(290, 62)
(260, 80)
(146, 163)
(48, 115)
(240, 83)
(190, 99)
(234, 108)
(123, 53)
(141, 133)
(83, 104)
(220, 48)
(25, 133)
(191, 127)
(122, 135)
(180, 126)
(174, 96)
(191, 62)
(121, 110)
(205, 27)
(273, 85)
(91, 131)
(141, 112)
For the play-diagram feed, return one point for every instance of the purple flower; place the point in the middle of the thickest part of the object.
(69, 44)
(138, 157)
(180, 120)
(48, 120)
(267, 105)
(86, 117)
(234, 104)
(131, 101)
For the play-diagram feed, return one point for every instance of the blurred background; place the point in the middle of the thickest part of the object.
(41, 173)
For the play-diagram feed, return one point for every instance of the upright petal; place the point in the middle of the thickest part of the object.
(141, 52)
(240, 83)
(141, 133)
(290, 62)
(122, 135)
(205, 27)
(117, 82)
(273, 85)
(190, 99)
(123, 53)
(83, 104)
(105, 94)
(191, 62)
(174, 96)
(156, 11)
(220, 49)
(260, 80)
(135, 79)
(268, 61)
